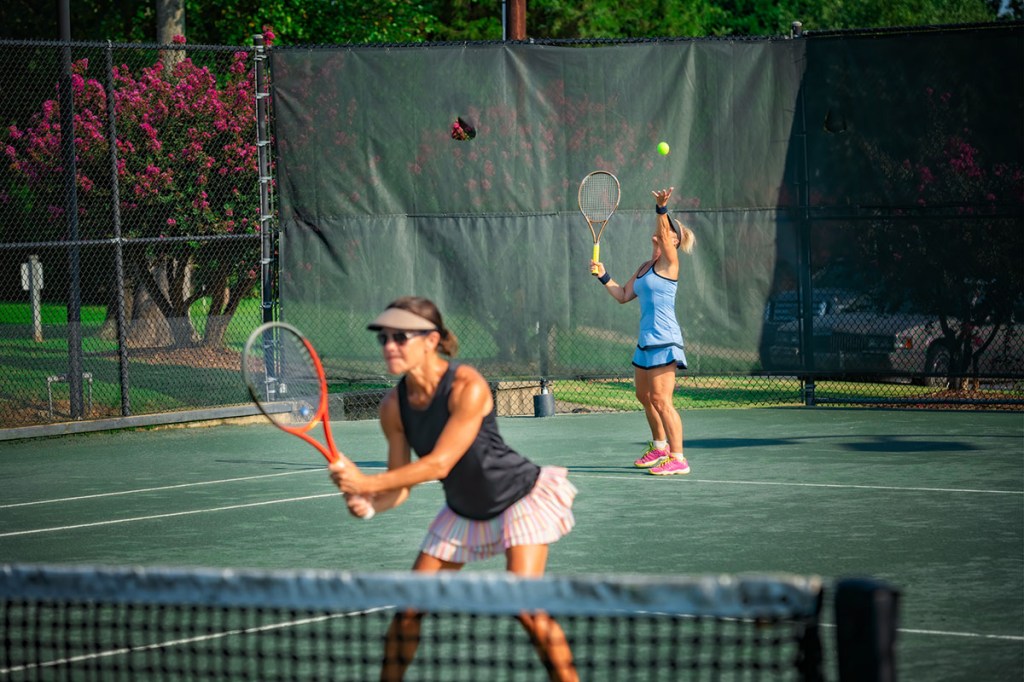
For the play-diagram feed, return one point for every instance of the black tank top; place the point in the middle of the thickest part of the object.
(490, 477)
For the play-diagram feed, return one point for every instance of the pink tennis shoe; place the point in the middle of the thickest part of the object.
(669, 466)
(651, 457)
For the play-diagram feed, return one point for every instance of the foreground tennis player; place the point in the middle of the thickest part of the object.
(496, 499)
(659, 348)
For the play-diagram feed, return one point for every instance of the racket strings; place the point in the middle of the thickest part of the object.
(599, 197)
(282, 377)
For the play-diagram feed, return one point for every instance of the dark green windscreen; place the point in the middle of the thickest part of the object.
(786, 158)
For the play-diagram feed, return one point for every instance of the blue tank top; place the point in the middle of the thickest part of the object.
(658, 324)
(490, 477)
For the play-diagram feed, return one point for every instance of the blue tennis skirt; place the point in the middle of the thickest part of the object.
(659, 356)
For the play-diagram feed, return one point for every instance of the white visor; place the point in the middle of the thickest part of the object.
(402, 320)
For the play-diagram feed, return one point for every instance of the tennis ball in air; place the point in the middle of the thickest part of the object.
(663, 148)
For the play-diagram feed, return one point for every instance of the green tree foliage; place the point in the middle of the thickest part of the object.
(186, 166)
(602, 19)
(117, 20)
(234, 22)
(228, 22)
(309, 21)
(837, 14)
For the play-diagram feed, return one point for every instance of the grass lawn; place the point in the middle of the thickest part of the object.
(188, 378)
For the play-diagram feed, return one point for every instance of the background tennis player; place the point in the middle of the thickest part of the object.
(659, 348)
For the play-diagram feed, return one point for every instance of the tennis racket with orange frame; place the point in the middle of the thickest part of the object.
(286, 380)
(598, 198)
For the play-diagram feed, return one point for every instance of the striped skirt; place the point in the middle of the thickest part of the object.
(540, 518)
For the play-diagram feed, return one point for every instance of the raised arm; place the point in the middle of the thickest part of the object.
(668, 238)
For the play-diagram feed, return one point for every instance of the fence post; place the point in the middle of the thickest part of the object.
(67, 141)
(805, 285)
(263, 160)
(115, 200)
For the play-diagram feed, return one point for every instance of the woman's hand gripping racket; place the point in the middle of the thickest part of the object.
(598, 199)
(286, 380)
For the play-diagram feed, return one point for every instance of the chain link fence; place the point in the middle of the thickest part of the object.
(906, 264)
(134, 263)
(130, 262)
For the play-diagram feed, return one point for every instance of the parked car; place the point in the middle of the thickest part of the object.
(914, 345)
(781, 312)
(862, 340)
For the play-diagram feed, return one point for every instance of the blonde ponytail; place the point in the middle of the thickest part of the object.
(687, 239)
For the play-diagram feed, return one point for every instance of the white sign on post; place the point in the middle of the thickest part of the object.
(31, 275)
(32, 282)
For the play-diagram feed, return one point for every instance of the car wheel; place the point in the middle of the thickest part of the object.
(937, 363)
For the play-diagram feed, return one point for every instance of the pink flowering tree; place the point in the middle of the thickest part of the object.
(957, 253)
(186, 167)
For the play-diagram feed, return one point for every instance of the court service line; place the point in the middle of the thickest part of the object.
(969, 635)
(121, 651)
(165, 516)
(169, 515)
(868, 487)
(316, 619)
(157, 488)
(947, 633)
(575, 475)
(851, 486)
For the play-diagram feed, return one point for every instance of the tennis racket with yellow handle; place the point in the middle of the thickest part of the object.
(598, 198)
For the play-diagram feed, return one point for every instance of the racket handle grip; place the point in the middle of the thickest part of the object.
(368, 515)
(595, 257)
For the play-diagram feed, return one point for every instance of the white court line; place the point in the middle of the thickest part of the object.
(288, 624)
(165, 516)
(156, 489)
(850, 486)
(121, 651)
(313, 497)
(970, 635)
(946, 633)
(169, 515)
(576, 474)
(867, 487)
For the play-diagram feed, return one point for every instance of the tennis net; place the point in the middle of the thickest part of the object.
(101, 623)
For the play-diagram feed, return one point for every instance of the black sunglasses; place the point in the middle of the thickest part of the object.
(398, 337)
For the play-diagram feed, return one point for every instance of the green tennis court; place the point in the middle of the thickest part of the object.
(932, 502)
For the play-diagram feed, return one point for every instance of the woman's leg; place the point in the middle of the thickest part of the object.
(662, 383)
(645, 394)
(403, 636)
(546, 634)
